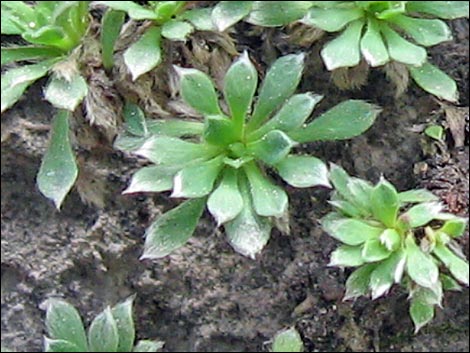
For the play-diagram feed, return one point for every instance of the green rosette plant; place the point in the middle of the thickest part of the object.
(395, 237)
(378, 31)
(165, 19)
(222, 162)
(112, 330)
(54, 31)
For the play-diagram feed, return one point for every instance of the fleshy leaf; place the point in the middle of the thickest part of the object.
(387, 273)
(272, 147)
(219, 131)
(52, 345)
(197, 180)
(332, 20)
(340, 180)
(65, 94)
(227, 13)
(344, 51)
(16, 17)
(457, 266)
(58, 170)
(122, 314)
(145, 54)
(200, 18)
(401, 50)
(176, 30)
(385, 204)
(16, 80)
(14, 54)
(110, 29)
(351, 231)
(433, 80)
(344, 121)
(268, 199)
(173, 229)
(421, 312)
(198, 91)
(288, 341)
(391, 239)
(455, 227)
(280, 83)
(442, 9)
(361, 194)
(226, 202)
(450, 284)
(63, 323)
(148, 346)
(417, 196)
(303, 171)
(358, 282)
(134, 10)
(422, 214)
(248, 233)
(277, 13)
(372, 45)
(103, 333)
(420, 266)
(172, 151)
(374, 251)
(347, 256)
(135, 119)
(240, 85)
(152, 179)
(426, 32)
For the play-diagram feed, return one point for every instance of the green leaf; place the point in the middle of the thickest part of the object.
(385, 204)
(374, 250)
(135, 119)
(145, 54)
(422, 214)
(17, 17)
(344, 51)
(387, 273)
(272, 147)
(361, 194)
(346, 208)
(291, 116)
(401, 50)
(200, 18)
(417, 196)
(197, 180)
(122, 314)
(344, 121)
(332, 20)
(226, 202)
(110, 29)
(152, 179)
(173, 229)
(248, 233)
(277, 13)
(198, 91)
(457, 266)
(424, 31)
(280, 83)
(14, 54)
(167, 9)
(435, 132)
(103, 333)
(15, 81)
(63, 323)
(303, 171)
(51, 345)
(421, 313)
(227, 13)
(347, 256)
(340, 180)
(449, 284)
(219, 131)
(391, 239)
(64, 94)
(420, 266)
(49, 35)
(433, 80)
(288, 341)
(358, 282)
(174, 127)
(268, 199)
(350, 231)
(240, 85)
(372, 45)
(442, 9)
(176, 30)
(134, 10)
(58, 170)
(148, 346)
(455, 227)
(171, 151)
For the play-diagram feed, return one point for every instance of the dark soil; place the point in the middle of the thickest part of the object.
(206, 297)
